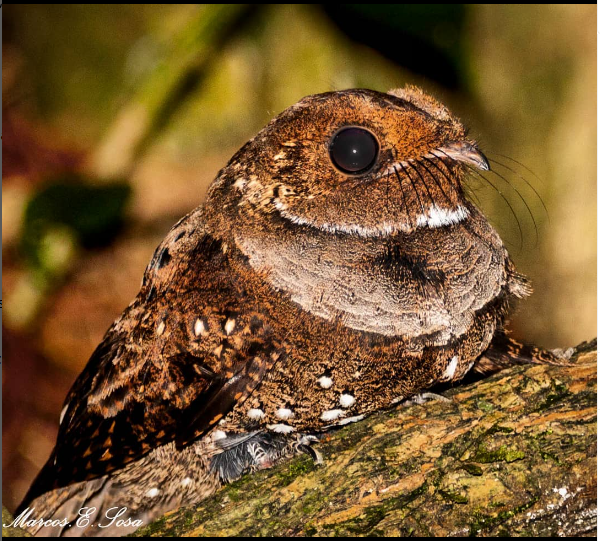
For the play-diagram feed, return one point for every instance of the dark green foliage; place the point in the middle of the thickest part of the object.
(92, 214)
(425, 38)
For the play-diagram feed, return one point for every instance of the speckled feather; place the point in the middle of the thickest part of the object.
(295, 299)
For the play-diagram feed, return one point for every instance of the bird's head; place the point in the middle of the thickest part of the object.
(355, 162)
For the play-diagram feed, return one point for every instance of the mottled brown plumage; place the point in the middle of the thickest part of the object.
(298, 297)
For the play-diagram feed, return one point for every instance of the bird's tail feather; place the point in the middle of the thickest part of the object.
(505, 352)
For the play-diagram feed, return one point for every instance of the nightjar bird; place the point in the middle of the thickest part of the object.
(335, 268)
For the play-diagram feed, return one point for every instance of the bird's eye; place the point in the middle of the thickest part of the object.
(353, 150)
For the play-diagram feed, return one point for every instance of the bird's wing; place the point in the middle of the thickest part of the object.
(184, 353)
(504, 352)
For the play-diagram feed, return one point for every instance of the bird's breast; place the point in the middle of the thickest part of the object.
(427, 283)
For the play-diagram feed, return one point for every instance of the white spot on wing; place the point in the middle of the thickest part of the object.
(450, 369)
(331, 415)
(281, 428)
(199, 327)
(284, 413)
(229, 325)
(219, 435)
(256, 413)
(325, 382)
(186, 482)
(161, 328)
(152, 493)
(347, 400)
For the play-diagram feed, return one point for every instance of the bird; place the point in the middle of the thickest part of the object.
(336, 267)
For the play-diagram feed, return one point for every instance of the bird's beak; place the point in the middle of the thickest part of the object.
(465, 152)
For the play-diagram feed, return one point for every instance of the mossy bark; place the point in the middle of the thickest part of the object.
(511, 455)
(8, 530)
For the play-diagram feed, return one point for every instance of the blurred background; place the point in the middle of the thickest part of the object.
(117, 118)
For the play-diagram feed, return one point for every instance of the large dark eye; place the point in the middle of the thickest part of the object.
(353, 150)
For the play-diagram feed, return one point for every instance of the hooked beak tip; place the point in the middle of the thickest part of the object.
(467, 153)
(484, 164)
